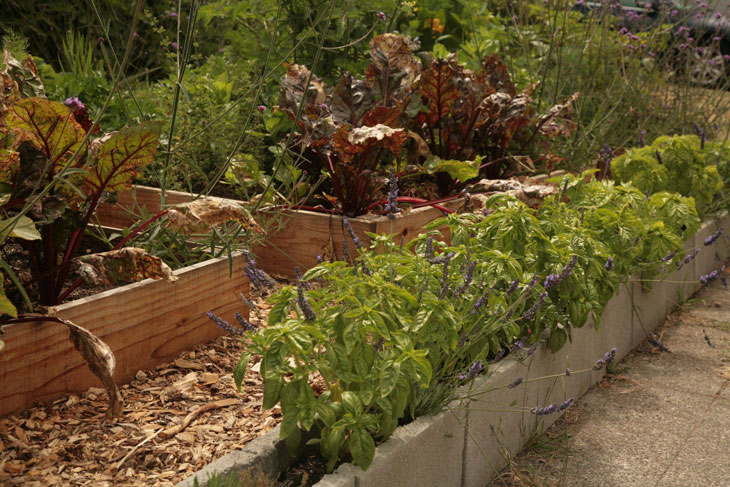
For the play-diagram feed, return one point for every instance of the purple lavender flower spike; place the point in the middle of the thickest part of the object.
(670, 255)
(712, 238)
(530, 313)
(391, 207)
(552, 281)
(515, 383)
(353, 235)
(247, 325)
(655, 341)
(304, 305)
(429, 247)
(224, 325)
(468, 278)
(609, 264)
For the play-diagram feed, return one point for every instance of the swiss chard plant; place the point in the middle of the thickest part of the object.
(54, 172)
(420, 115)
(353, 350)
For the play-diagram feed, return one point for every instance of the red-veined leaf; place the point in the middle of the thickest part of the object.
(117, 156)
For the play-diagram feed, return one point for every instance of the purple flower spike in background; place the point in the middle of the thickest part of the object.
(261, 108)
(381, 15)
(304, 305)
(473, 371)
(609, 264)
(391, 207)
(74, 103)
(712, 238)
(224, 325)
(515, 383)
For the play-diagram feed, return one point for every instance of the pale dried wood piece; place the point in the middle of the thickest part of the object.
(221, 403)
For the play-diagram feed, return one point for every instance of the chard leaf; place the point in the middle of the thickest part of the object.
(461, 170)
(117, 156)
(48, 126)
(25, 229)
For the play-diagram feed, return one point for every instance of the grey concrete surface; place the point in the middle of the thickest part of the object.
(664, 420)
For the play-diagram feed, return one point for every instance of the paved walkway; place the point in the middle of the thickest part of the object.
(663, 419)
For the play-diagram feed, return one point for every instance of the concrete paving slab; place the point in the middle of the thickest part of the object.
(663, 421)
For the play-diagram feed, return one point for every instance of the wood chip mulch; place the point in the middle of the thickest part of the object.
(177, 418)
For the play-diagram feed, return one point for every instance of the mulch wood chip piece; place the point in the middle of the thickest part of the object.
(177, 418)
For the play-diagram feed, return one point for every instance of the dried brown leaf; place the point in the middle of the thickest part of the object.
(201, 214)
(129, 264)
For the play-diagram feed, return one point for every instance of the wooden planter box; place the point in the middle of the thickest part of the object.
(144, 323)
(295, 238)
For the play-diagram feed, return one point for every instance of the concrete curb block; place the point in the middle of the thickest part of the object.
(471, 442)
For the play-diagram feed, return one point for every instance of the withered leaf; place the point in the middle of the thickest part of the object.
(557, 121)
(101, 362)
(495, 75)
(393, 67)
(293, 90)
(129, 264)
(199, 215)
(352, 99)
(350, 141)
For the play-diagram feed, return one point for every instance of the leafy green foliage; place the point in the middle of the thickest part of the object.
(683, 164)
(393, 335)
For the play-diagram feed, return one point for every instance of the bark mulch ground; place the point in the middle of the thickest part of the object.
(177, 418)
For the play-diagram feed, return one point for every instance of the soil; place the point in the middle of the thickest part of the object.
(304, 473)
(70, 443)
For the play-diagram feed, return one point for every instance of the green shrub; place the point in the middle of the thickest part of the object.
(687, 165)
(395, 334)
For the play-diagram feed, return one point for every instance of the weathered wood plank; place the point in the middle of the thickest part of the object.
(295, 238)
(144, 323)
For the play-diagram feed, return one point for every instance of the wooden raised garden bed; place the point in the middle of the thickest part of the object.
(144, 324)
(295, 238)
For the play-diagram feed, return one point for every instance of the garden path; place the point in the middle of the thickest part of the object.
(660, 419)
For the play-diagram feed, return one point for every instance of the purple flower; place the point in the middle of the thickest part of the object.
(391, 207)
(298, 272)
(304, 303)
(512, 287)
(654, 341)
(261, 108)
(429, 248)
(365, 268)
(552, 408)
(609, 264)
(74, 104)
(515, 383)
(552, 281)
(174, 46)
(473, 370)
(224, 325)
(247, 325)
(607, 359)
(670, 255)
(468, 278)
(711, 239)
(381, 15)
(353, 235)
(712, 275)
(258, 278)
(324, 107)
(445, 274)
(530, 313)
